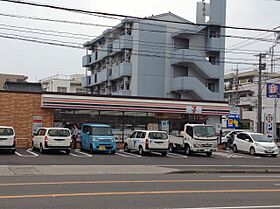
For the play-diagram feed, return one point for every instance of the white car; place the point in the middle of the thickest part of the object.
(7, 139)
(255, 143)
(52, 139)
(147, 141)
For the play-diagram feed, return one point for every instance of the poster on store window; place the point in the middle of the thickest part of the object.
(37, 122)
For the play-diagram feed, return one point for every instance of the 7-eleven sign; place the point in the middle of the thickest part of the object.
(194, 109)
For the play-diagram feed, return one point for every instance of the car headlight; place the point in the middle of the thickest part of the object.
(197, 146)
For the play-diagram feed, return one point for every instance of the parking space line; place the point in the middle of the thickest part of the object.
(18, 154)
(83, 153)
(74, 155)
(179, 156)
(122, 155)
(128, 153)
(33, 153)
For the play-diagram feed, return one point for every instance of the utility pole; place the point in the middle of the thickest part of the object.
(236, 80)
(259, 117)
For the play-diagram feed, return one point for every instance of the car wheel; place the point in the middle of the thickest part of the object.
(171, 148)
(187, 150)
(209, 154)
(274, 155)
(33, 148)
(164, 154)
(67, 152)
(13, 151)
(90, 149)
(252, 151)
(234, 148)
(141, 151)
(81, 147)
(125, 148)
(42, 150)
(113, 152)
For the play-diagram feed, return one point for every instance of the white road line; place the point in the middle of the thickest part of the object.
(18, 154)
(128, 153)
(83, 153)
(74, 155)
(237, 207)
(276, 184)
(233, 176)
(33, 153)
(122, 155)
(181, 156)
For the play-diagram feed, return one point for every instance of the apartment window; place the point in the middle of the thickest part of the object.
(181, 43)
(211, 86)
(61, 89)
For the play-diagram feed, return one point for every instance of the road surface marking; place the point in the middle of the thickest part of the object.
(33, 153)
(83, 153)
(137, 181)
(181, 156)
(74, 155)
(18, 154)
(160, 192)
(236, 207)
(128, 153)
(122, 155)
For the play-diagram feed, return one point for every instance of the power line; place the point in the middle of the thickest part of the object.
(110, 15)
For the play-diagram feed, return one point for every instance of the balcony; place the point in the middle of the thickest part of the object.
(121, 70)
(86, 61)
(102, 76)
(124, 42)
(248, 101)
(213, 44)
(86, 81)
(194, 59)
(122, 93)
(192, 84)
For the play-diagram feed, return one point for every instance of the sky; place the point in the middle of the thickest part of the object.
(39, 61)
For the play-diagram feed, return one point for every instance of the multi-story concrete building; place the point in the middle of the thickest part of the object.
(161, 56)
(244, 95)
(63, 83)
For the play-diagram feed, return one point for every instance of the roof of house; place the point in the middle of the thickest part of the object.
(23, 86)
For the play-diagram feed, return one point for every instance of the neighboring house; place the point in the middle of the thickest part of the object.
(63, 83)
(246, 95)
(169, 58)
(23, 87)
(11, 77)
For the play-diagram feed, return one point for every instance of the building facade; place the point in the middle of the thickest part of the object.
(170, 57)
(63, 83)
(242, 91)
(11, 77)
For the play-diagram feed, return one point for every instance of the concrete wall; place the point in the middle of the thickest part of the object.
(17, 110)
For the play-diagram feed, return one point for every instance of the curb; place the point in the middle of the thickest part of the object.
(265, 171)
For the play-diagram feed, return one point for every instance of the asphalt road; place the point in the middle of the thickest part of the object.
(141, 191)
(27, 157)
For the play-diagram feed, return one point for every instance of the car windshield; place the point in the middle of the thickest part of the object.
(158, 135)
(225, 133)
(6, 132)
(102, 131)
(59, 132)
(204, 131)
(261, 138)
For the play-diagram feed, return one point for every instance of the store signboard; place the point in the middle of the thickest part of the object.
(272, 90)
(268, 124)
(194, 109)
(233, 121)
(37, 121)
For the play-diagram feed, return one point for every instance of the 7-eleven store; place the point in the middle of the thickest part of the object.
(24, 111)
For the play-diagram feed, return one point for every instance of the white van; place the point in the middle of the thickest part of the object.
(255, 143)
(52, 139)
(7, 139)
(147, 141)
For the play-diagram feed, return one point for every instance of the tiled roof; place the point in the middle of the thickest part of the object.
(23, 86)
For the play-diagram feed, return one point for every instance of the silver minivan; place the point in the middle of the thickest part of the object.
(7, 139)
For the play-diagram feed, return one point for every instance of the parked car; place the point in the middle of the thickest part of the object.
(195, 138)
(228, 136)
(147, 141)
(255, 143)
(97, 138)
(52, 139)
(7, 139)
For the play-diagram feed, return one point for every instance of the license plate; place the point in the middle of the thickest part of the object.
(102, 148)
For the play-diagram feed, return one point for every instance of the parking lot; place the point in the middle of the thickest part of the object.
(77, 157)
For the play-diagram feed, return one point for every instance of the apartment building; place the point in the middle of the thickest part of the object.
(63, 83)
(242, 91)
(162, 56)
